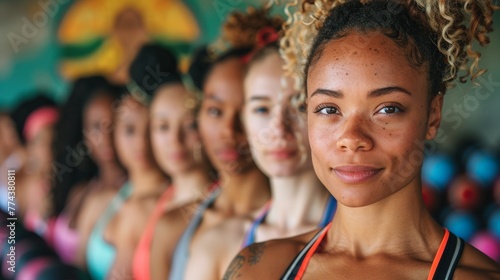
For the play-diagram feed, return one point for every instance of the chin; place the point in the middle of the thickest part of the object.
(281, 172)
(354, 196)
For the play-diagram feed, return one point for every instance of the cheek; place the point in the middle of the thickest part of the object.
(320, 138)
(123, 144)
(208, 133)
(157, 141)
(403, 137)
(192, 141)
(258, 132)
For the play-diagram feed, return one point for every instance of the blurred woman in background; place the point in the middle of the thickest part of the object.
(278, 141)
(12, 155)
(145, 186)
(178, 151)
(244, 189)
(34, 120)
(87, 171)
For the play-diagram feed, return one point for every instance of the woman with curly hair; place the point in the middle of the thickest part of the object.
(375, 73)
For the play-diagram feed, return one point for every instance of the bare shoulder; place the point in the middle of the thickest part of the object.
(267, 260)
(178, 217)
(476, 265)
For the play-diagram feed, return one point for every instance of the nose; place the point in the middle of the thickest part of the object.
(142, 142)
(231, 126)
(176, 137)
(354, 135)
(281, 122)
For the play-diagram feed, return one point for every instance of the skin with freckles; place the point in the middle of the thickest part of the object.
(364, 132)
(277, 131)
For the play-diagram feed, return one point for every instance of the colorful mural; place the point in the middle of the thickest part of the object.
(103, 36)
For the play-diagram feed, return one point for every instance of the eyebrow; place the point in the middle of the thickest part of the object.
(328, 92)
(387, 90)
(258, 98)
(375, 93)
(213, 97)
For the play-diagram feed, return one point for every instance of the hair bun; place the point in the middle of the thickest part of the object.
(154, 66)
(200, 65)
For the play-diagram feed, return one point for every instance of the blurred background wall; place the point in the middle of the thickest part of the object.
(46, 43)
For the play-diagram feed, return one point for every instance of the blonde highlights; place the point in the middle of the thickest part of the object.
(458, 25)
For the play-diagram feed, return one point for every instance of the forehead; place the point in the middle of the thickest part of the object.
(132, 111)
(225, 82)
(377, 61)
(99, 103)
(172, 100)
(266, 79)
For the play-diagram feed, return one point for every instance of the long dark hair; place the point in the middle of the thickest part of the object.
(72, 163)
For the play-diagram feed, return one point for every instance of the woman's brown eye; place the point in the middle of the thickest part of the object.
(327, 110)
(214, 112)
(390, 110)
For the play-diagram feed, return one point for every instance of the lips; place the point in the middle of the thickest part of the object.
(282, 154)
(177, 156)
(228, 154)
(354, 174)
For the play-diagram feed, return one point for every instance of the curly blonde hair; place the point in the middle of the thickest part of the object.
(456, 25)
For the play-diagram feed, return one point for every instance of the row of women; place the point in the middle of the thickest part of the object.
(301, 159)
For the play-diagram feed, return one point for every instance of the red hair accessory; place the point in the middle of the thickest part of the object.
(265, 36)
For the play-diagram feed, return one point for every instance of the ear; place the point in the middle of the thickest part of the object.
(434, 118)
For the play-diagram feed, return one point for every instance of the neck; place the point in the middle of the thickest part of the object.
(243, 193)
(147, 182)
(191, 185)
(111, 175)
(297, 201)
(397, 224)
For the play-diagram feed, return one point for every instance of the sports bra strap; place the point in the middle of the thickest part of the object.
(329, 212)
(297, 268)
(447, 257)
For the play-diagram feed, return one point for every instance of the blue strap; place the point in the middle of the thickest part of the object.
(181, 254)
(250, 236)
(329, 212)
(101, 254)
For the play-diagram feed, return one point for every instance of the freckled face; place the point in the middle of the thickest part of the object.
(276, 130)
(368, 116)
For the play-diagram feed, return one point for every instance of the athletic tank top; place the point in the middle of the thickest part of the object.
(181, 253)
(328, 213)
(444, 263)
(141, 264)
(101, 254)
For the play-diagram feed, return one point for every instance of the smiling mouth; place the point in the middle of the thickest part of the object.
(354, 174)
